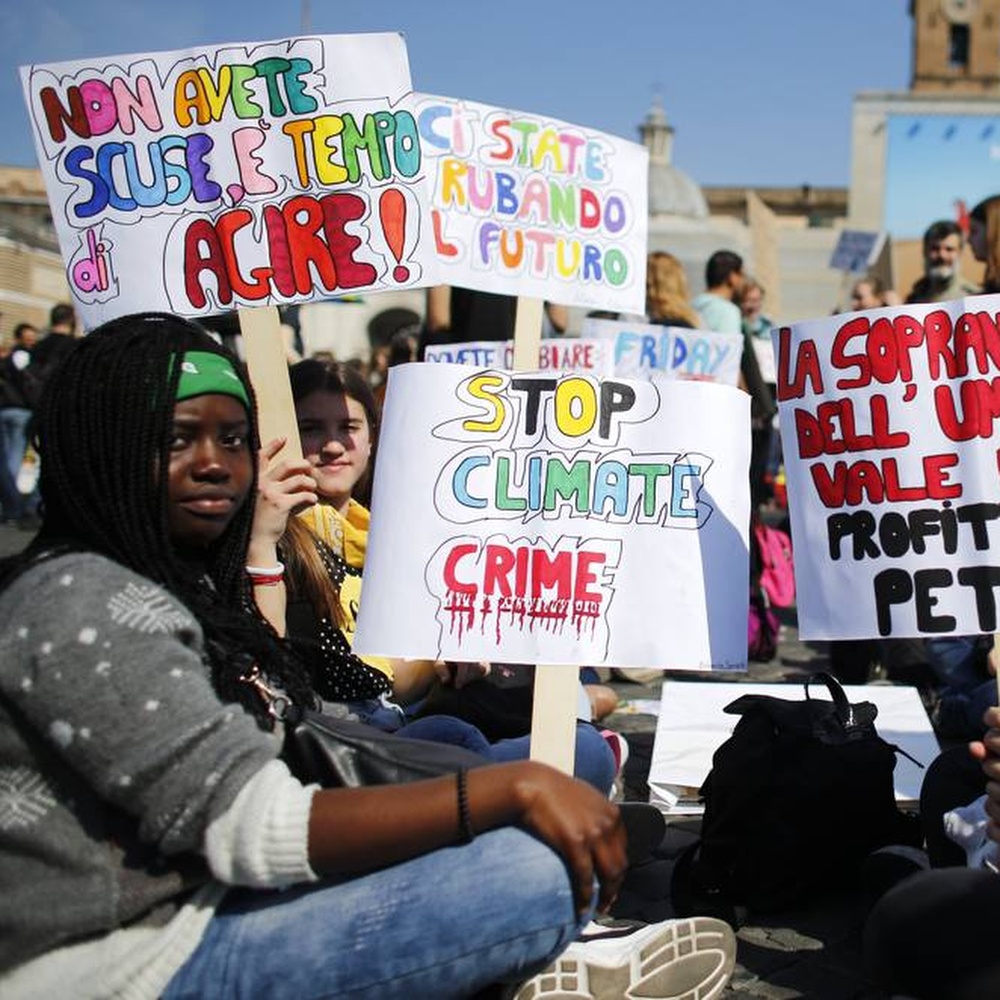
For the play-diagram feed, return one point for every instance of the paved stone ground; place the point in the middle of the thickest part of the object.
(813, 951)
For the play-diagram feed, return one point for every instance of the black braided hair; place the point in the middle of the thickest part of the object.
(104, 429)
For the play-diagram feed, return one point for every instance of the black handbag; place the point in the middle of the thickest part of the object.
(797, 798)
(343, 753)
(333, 752)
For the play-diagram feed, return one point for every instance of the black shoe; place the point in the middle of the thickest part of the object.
(887, 867)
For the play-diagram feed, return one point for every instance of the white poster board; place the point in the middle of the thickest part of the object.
(568, 354)
(531, 206)
(889, 427)
(246, 174)
(652, 351)
(558, 519)
(692, 725)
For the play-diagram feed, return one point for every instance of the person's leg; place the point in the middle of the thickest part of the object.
(443, 925)
(955, 661)
(958, 715)
(12, 504)
(952, 779)
(594, 762)
(447, 729)
(14, 422)
(934, 935)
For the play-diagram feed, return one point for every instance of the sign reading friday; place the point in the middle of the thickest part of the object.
(558, 518)
(527, 205)
(206, 179)
(652, 351)
(889, 426)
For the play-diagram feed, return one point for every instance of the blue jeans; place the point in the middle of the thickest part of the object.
(14, 422)
(956, 661)
(13, 506)
(594, 763)
(442, 925)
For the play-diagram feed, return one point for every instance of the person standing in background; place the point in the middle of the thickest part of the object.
(723, 285)
(18, 396)
(942, 279)
(667, 298)
(458, 315)
(58, 339)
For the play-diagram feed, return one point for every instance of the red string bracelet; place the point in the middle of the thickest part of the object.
(266, 576)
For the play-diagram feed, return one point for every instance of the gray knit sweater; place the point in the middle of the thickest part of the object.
(117, 761)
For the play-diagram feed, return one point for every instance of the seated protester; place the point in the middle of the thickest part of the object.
(150, 816)
(324, 549)
(931, 935)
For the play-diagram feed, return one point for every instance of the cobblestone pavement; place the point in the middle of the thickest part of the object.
(813, 951)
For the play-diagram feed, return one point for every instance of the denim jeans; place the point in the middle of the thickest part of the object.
(442, 925)
(13, 506)
(14, 422)
(594, 762)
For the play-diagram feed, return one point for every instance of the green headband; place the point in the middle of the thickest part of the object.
(203, 372)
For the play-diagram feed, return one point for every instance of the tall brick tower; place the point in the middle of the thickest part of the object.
(956, 46)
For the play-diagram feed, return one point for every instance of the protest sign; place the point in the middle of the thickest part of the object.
(555, 353)
(856, 250)
(213, 178)
(527, 205)
(652, 351)
(889, 437)
(558, 520)
(764, 352)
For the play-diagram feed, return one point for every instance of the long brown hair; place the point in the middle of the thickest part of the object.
(667, 296)
(987, 214)
(301, 549)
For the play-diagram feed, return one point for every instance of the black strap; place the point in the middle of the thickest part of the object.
(840, 703)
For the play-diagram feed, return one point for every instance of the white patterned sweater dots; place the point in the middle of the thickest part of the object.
(113, 745)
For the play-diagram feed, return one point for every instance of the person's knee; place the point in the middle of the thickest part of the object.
(595, 761)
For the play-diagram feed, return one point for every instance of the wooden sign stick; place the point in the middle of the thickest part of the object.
(268, 366)
(553, 716)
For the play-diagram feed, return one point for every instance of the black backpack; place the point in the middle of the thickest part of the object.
(797, 798)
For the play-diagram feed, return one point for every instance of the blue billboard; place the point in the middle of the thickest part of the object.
(937, 167)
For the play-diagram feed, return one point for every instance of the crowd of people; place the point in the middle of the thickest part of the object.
(153, 841)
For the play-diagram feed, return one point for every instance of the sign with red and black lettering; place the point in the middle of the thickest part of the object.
(552, 517)
(888, 421)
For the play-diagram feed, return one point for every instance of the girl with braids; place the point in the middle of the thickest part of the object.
(324, 550)
(145, 814)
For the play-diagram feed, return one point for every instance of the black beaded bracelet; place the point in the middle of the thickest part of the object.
(465, 832)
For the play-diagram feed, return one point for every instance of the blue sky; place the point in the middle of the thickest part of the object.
(760, 93)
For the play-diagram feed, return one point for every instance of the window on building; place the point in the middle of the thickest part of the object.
(958, 46)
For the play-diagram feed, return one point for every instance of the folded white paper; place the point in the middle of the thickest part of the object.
(692, 724)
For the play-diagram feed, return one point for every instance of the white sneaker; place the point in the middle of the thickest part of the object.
(689, 959)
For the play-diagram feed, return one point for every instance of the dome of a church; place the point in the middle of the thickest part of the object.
(671, 191)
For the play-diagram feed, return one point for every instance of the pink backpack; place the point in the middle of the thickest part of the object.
(777, 570)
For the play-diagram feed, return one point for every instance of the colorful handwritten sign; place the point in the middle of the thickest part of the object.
(206, 179)
(527, 205)
(558, 353)
(889, 426)
(559, 519)
(651, 351)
